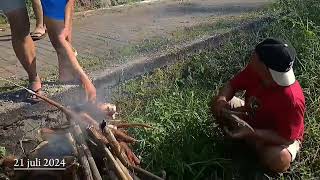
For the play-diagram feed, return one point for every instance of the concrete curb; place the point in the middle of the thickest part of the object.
(129, 71)
(142, 66)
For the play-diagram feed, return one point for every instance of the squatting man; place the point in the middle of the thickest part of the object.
(274, 105)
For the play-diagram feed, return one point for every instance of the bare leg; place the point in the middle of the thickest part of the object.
(37, 9)
(275, 158)
(69, 68)
(23, 44)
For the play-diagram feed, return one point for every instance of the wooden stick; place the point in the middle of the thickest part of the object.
(142, 171)
(115, 164)
(124, 169)
(102, 141)
(115, 147)
(122, 136)
(131, 156)
(94, 133)
(85, 164)
(112, 175)
(73, 144)
(133, 125)
(93, 166)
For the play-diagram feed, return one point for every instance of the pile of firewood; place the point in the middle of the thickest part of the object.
(109, 139)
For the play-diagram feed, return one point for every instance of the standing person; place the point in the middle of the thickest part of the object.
(24, 48)
(57, 17)
(40, 31)
(274, 102)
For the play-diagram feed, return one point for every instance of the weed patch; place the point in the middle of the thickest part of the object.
(186, 142)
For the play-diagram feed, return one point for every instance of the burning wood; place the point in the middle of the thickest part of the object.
(113, 142)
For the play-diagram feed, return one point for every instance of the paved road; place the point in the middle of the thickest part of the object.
(100, 32)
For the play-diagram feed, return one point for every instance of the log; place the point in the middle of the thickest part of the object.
(95, 134)
(115, 147)
(83, 144)
(85, 164)
(112, 140)
(100, 139)
(122, 136)
(131, 156)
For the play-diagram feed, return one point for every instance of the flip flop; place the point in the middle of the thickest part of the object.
(38, 35)
(33, 98)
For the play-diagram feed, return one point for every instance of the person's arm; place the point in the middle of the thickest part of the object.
(69, 14)
(239, 82)
(221, 100)
(261, 135)
(270, 137)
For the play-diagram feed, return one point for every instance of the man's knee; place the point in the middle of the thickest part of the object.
(276, 159)
(19, 23)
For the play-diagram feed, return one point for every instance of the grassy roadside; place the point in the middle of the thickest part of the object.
(169, 43)
(185, 142)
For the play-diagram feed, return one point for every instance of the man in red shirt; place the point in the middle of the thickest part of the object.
(274, 104)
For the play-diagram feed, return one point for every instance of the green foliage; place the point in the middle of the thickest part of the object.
(185, 142)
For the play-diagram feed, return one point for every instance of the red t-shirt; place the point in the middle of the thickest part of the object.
(278, 108)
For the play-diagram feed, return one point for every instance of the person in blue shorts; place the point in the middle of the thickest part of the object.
(58, 27)
(58, 18)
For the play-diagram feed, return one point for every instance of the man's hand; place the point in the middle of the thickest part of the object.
(218, 106)
(240, 133)
(66, 33)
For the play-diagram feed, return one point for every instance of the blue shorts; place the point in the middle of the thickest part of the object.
(54, 9)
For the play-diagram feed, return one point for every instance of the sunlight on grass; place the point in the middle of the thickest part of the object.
(175, 100)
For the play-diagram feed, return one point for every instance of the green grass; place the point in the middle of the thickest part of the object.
(185, 142)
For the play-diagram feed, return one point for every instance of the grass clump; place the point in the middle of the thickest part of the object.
(185, 142)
